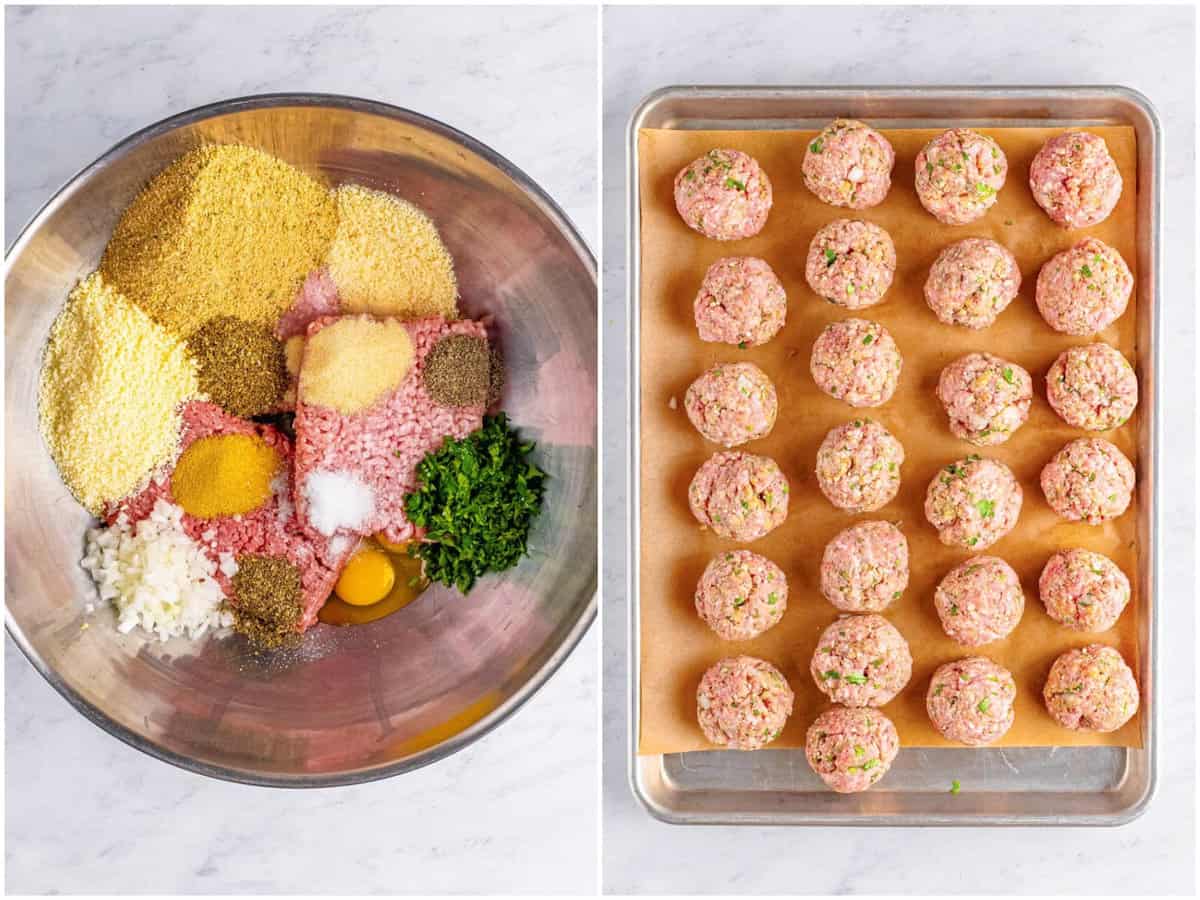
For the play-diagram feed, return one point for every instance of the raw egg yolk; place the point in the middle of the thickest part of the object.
(367, 578)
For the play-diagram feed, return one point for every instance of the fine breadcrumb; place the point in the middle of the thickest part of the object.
(387, 258)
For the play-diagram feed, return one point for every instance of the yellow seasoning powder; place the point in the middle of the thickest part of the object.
(224, 475)
(352, 363)
(387, 258)
(224, 230)
(108, 399)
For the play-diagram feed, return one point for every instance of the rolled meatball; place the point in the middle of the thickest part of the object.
(958, 175)
(979, 601)
(865, 567)
(970, 701)
(1084, 289)
(1088, 480)
(740, 496)
(1083, 590)
(856, 361)
(741, 595)
(743, 703)
(732, 403)
(858, 466)
(1075, 179)
(1091, 689)
(849, 164)
(861, 661)
(973, 502)
(851, 749)
(725, 195)
(1092, 387)
(741, 302)
(851, 263)
(971, 282)
(985, 397)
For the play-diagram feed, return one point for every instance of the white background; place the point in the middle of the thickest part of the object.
(1148, 48)
(516, 812)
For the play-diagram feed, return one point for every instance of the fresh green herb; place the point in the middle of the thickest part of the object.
(1009, 376)
(987, 508)
(973, 541)
(477, 498)
(868, 339)
(832, 673)
(856, 679)
(985, 190)
(817, 146)
(984, 705)
(928, 168)
(830, 257)
(896, 595)
(739, 601)
(732, 182)
(955, 787)
(954, 609)
(870, 764)
(1087, 272)
(741, 345)
(858, 750)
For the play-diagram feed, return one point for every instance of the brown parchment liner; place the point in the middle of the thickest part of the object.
(676, 647)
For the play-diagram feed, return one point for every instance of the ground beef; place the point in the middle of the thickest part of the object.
(732, 403)
(743, 703)
(1091, 689)
(1075, 179)
(1088, 480)
(958, 175)
(973, 502)
(740, 496)
(865, 567)
(858, 466)
(971, 282)
(851, 749)
(1092, 387)
(1083, 590)
(741, 595)
(724, 195)
(861, 661)
(851, 263)
(970, 701)
(1085, 289)
(741, 302)
(856, 361)
(381, 446)
(979, 601)
(849, 164)
(985, 397)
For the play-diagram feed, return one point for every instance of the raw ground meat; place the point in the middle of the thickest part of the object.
(861, 661)
(1085, 289)
(1075, 180)
(979, 601)
(743, 703)
(958, 175)
(849, 164)
(865, 567)
(732, 403)
(971, 701)
(317, 297)
(1088, 480)
(382, 446)
(1083, 590)
(1091, 689)
(740, 496)
(724, 195)
(270, 530)
(741, 301)
(851, 749)
(741, 595)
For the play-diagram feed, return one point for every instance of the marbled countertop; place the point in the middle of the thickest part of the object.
(1147, 48)
(85, 813)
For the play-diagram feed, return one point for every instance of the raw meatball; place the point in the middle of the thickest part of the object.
(741, 302)
(741, 595)
(1091, 689)
(858, 466)
(743, 703)
(732, 403)
(973, 502)
(971, 701)
(972, 282)
(979, 601)
(1085, 289)
(958, 174)
(861, 661)
(724, 195)
(739, 495)
(1083, 590)
(851, 749)
(1075, 180)
(987, 398)
(849, 164)
(865, 567)
(856, 361)
(851, 263)
(1088, 480)
(1092, 387)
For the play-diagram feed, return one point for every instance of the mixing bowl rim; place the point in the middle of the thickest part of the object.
(570, 641)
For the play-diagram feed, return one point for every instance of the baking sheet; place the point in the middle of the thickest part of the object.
(676, 647)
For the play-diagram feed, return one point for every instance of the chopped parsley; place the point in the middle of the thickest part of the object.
(868, 339)
(987, 508)
(856, 679)
(817, 146)
(830, 257)
(832, 673)
(1085, 271)
(732, 182)
(741, 345)
(1009, 375)
(984, 705)
(955, 787)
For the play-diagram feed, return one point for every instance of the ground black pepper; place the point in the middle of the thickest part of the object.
(241, 365)
(266, 601)
(458, 371)
(495, 377)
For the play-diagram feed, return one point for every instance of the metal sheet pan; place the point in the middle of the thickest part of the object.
(1023, 786)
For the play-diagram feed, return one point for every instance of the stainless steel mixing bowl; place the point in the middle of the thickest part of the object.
(364, 702)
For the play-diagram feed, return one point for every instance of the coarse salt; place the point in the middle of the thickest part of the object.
(337, 501)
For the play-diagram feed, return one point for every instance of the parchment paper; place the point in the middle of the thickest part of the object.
(676, 647)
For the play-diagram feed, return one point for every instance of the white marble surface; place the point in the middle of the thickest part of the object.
(84, 812)
(1150, 49)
